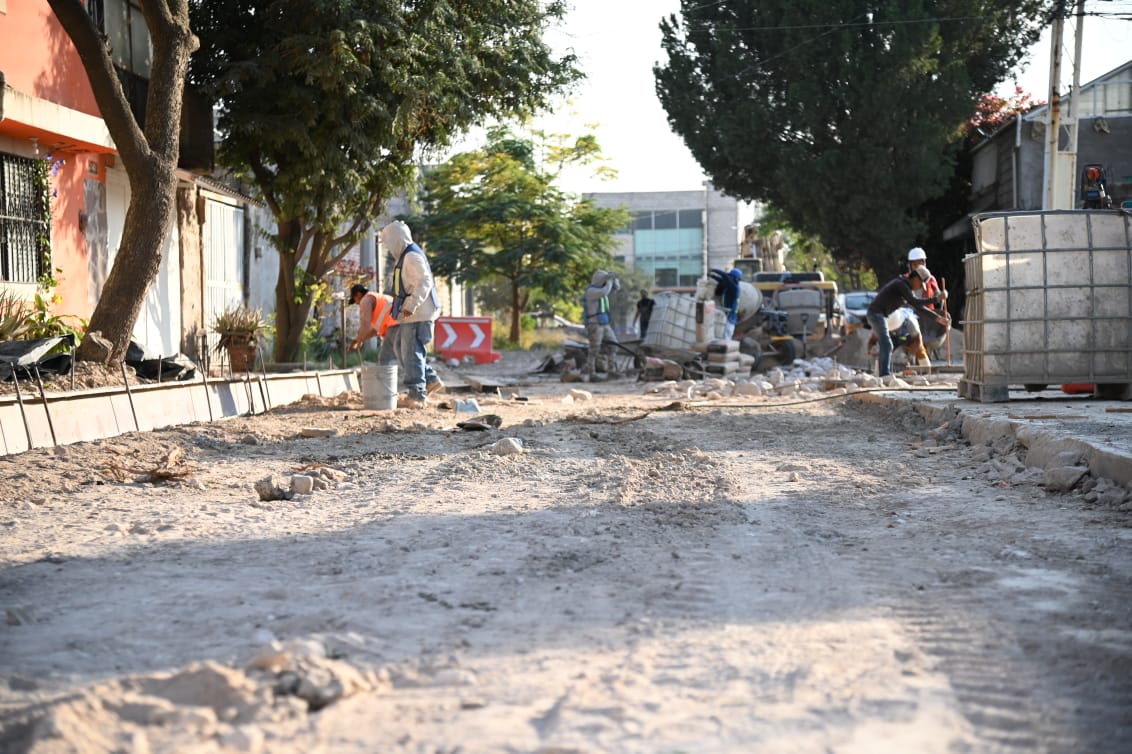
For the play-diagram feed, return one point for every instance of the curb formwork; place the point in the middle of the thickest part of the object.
(63, 418)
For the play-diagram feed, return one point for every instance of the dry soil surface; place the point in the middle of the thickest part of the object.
(648, 575)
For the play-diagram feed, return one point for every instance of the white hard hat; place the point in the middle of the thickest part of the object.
(916, 254)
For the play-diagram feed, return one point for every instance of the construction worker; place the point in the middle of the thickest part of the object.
(645, 305)
(375, 316)
(727, 286)
(595, 310)
(416, 306)
(932, 336)
(917, 257)
(900, 291)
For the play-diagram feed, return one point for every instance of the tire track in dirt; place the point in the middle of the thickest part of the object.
(966, 541)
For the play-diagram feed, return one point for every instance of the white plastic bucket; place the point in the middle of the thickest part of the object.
(379, 387)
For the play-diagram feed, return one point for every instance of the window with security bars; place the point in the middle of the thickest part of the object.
(25, 243)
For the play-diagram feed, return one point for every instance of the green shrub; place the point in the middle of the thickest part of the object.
(43, 324)
(29, 320)
(237, 326)
(14, 313)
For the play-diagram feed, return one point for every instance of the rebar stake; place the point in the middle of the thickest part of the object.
(46, 410)
(130, 395)
(23, 411)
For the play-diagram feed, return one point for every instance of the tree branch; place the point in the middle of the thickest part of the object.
(108, 93)
(173, 42)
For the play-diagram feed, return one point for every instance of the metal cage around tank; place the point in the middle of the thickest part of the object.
(1049, 302)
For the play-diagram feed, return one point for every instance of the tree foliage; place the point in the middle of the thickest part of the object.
(844, 114)
(148, 151)
(495, 214)
(993, 112)
(328, 105)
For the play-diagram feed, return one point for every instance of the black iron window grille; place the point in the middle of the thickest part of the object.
(25, 228)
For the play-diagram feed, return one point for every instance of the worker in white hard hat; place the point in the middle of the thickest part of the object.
(918, 258)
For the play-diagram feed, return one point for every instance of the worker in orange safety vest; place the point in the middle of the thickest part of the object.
(376, 310)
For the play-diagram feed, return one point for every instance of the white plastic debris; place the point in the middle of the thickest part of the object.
(508, 446)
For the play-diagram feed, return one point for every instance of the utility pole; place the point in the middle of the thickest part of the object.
(1053, 123)
(705, 253)
(1070, 161)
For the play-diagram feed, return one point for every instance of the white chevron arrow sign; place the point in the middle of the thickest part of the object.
(450, 331)
(479, 335)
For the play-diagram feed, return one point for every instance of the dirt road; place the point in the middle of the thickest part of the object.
(826, 577)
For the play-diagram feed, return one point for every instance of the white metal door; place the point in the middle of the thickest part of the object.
(158, 326)
(223, 241)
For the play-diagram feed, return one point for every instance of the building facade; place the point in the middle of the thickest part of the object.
(677, 236)
(1009, 167)
(51, 131)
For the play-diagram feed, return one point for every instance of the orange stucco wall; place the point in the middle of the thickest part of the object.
(37, 57)
(68, 244)
(38, 60)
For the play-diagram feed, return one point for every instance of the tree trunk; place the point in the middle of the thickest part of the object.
(516, 313)
(295, 298)
(148, 154)
(289, 316)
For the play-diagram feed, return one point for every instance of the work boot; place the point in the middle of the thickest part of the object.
(405, 401)
(435, 387)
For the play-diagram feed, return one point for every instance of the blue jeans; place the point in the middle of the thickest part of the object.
(884, 343)
(409, 341)
(387, 352)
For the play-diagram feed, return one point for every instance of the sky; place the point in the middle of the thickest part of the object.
(618, 42)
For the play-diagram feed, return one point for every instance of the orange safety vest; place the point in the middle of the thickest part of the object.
(382, 313)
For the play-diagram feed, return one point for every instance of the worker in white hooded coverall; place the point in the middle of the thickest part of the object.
(416, 307)
(595, 308)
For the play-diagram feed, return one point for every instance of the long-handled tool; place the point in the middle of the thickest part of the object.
(946, 313)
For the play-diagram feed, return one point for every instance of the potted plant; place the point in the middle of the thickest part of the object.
(239, 329)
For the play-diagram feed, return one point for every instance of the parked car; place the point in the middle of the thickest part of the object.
(853, 305)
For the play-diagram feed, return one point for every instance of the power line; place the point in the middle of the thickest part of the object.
(856, 24)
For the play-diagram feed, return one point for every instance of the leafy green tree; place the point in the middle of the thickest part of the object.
(496, 214)
(148, 151)
(845, 114)
(328, 105)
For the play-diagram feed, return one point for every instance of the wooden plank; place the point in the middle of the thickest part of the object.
(488, 384)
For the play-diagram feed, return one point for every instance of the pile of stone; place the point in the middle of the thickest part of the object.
(803, 377)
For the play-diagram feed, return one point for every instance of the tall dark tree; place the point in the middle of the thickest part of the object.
(328, 105)
(496, 215)
(148, 152)
(844, 114)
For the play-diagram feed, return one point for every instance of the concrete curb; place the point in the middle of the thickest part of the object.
(95, 414)
(1049, 446)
